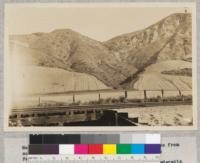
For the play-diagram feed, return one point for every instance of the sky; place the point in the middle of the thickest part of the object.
(100, 23)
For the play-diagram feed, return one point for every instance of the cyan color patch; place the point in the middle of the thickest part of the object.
(137, 149)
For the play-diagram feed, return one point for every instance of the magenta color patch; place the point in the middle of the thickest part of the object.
(81, 149)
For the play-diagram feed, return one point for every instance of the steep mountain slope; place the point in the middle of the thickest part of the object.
(71, 51)
(119, 62)
(170, 38)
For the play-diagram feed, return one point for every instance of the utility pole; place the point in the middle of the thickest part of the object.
(99, 97)
(39, 101)
(74, 98)
(185, 10)
(126, 94)
(145, 95)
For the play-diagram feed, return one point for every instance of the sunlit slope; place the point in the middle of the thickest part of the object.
(153, 78)
(42, 80)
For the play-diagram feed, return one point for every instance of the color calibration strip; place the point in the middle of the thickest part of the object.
(71, 149)
(95, 139)
(147, 145)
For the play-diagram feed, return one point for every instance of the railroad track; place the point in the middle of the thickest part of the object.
(101, 106)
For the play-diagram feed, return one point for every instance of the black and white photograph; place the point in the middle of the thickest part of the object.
(91, 66)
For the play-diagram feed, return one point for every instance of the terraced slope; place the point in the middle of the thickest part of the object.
(44, 80)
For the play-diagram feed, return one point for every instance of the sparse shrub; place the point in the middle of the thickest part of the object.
(122, 99)
(114, 100)
(101, 101)
(135, 100)
(108, 100)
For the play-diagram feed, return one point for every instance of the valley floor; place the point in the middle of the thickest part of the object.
(178, 115)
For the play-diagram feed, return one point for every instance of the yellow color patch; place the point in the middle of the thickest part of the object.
(109, 149)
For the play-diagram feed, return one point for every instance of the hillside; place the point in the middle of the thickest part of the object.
(43, 80)
(121, 62)
(168, 39)
(71, 51)
(154, 79)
